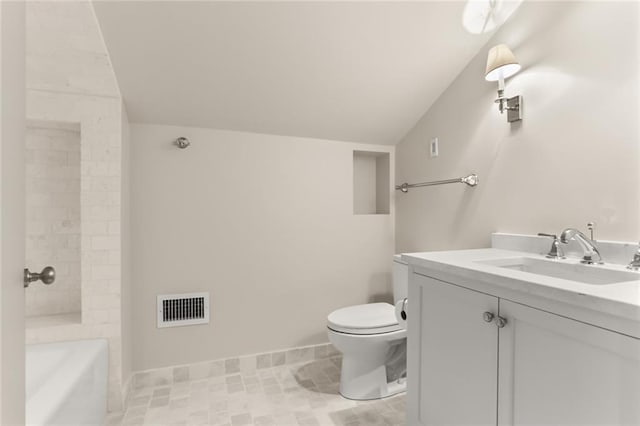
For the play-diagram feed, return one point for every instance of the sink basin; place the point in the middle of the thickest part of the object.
(588, 274)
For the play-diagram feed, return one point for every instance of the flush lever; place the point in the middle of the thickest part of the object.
(47, 276)
(403, 314)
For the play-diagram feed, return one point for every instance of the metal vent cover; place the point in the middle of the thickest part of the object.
(175, 310)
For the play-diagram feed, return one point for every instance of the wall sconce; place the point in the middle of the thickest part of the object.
(501, 64)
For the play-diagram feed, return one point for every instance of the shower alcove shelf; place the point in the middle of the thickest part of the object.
(52, 189)
(371, 190)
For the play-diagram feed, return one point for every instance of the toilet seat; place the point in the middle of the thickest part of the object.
(371, 318)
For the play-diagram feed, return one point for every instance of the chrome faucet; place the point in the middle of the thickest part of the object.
(591, 254)
(634, 265)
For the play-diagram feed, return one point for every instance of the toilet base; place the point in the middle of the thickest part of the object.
(391, 389)
(373, 366)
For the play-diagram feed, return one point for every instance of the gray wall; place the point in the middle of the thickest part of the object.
(265, 224)
(573, 159)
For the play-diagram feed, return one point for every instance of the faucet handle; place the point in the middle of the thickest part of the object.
(591, 226)
(542, 234)
(634, 265)
(555, 252)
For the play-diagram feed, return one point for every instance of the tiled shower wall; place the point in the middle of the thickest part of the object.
(100, 205)
(53, 216)
(76, 84)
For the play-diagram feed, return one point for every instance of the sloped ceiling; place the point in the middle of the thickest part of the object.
(65, 51)
(351, 71)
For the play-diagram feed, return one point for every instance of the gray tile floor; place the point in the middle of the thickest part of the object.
(303, 394)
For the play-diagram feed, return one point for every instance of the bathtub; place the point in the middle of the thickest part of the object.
(66, 383)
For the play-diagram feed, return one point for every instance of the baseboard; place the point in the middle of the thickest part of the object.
(221, 367)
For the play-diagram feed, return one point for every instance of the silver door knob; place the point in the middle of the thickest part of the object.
(488, 316)
(47, 276)
(501, 322)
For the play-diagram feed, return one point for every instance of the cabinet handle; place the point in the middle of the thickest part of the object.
(488, 316)
(501, 322)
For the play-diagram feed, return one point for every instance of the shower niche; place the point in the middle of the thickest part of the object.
(371, 184)
(53, 184)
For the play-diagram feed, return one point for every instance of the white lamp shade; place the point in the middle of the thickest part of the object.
(501, 63)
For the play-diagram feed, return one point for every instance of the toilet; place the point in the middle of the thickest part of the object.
(373, 344)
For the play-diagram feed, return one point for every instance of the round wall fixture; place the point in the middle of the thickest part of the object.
(182, 142)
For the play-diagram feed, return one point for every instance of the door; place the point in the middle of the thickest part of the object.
(557, 371)
(12, 206)
(452, 353)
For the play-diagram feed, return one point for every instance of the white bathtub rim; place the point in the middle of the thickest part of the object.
(49, 398)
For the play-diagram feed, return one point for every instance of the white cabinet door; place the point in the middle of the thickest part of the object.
(557, 371)
(452, 354)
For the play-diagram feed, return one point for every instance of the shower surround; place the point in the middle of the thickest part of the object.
(77, 136)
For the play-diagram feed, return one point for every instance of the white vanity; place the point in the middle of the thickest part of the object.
(508, 337)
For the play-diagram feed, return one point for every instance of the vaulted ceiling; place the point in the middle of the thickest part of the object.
(352, 71)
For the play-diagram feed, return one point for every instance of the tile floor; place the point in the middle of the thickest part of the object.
(304, 394)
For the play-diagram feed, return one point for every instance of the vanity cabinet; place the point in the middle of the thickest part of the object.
(539, 368)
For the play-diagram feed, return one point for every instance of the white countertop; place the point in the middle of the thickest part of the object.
(462, 267)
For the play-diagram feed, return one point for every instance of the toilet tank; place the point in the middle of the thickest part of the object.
(400, 278)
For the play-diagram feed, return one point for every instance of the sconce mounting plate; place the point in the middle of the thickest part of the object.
(514, 109)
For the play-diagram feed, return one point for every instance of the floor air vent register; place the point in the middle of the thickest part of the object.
(176, 310)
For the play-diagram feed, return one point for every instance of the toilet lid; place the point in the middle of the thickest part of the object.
(372, 318)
